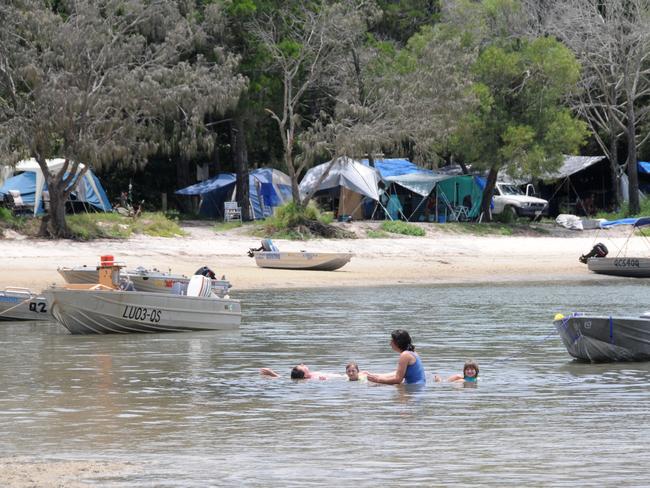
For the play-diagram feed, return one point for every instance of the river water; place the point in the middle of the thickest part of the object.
(191, 410)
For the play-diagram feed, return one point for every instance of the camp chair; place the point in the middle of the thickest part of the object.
(15, 202)
(231, 211)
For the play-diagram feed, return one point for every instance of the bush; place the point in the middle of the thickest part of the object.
(292, 221)
(399, 227)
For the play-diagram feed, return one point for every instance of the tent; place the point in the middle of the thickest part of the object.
(268, 188)
(348, 180)
(31, 184)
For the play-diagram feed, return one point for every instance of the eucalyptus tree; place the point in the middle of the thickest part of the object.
(305, 43)
(103, 83)
(611, 40)
(522, 124)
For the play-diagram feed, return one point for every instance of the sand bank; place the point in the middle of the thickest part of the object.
(440, 257)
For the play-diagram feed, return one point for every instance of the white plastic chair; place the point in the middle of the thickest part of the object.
(231, 211)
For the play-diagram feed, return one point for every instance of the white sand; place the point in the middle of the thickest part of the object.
(440, 257)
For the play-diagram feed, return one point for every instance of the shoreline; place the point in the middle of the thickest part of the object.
(439, 258)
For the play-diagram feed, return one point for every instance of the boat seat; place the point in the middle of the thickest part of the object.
(199, 286)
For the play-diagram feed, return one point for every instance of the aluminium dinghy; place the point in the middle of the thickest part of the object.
(269, 256)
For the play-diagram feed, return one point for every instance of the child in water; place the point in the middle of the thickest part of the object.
(470, 374)
(352, 372)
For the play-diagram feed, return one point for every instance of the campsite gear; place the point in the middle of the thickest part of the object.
(31, 187)
(268, 188)
(103, 308)
(605, 338)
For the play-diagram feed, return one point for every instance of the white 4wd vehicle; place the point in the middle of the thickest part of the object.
(509, 198)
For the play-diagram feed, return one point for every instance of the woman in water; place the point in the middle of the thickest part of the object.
(409, 366)
(470, 374)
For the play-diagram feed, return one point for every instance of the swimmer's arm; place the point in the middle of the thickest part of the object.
(455, 377)
(269, 372)
(392, 378)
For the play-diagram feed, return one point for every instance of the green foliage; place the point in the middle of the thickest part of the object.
(480, 229)
(377, 234)
(89, 226)
(291, 215)
(624, 212)
(399, 227)
(224, 226)
(292, 221)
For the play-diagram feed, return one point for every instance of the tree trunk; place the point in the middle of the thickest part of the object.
(54, 224)
(488, 192)
(614, 166)
(240, 156)
(183, 179)
(632, 172)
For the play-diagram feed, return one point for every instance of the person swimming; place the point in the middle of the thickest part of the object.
(470, 374)
(409, 365)
(352, 372)
(300, 372)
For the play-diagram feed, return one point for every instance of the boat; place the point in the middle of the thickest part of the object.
(599, 338)
(103, 308)
(269, 256)
(621, 265)
(23, 304)
(143, 279)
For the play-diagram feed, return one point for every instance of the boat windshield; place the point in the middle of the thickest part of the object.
(510, 190)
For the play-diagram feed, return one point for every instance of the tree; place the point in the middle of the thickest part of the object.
(522, 125)
(612, 42)
(103, 82)
(305, 43)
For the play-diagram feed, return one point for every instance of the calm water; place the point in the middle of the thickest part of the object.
(191, 409)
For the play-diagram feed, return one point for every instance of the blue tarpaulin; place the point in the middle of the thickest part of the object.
(634, 221)
(88, 190)
(644, 167)
(268, 188)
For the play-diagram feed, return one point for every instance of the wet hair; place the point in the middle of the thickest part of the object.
(402, 340)
(352, 364)
(297, 373)
(470, 363)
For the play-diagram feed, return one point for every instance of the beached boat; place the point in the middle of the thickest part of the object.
(23, 304)
(621, 265)
(150, 280)
(605, 338)
(269, 256)
(104, 309)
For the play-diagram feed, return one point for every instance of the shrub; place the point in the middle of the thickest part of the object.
(399, 227)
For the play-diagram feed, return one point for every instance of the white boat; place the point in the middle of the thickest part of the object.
(605, 338)
(23, 304)
(621, 265)
(104, 309)
(321, 261)
(269, 256)
(150, 280)
(629, 267)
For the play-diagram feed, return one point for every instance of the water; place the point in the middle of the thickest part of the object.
(191, 410)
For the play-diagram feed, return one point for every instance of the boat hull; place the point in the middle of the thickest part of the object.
(147, 281)
(121, 312)
(320, 261)
(603, 338)
(629, 267)
(22, 304)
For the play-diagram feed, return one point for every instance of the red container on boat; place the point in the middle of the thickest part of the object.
(106, 260)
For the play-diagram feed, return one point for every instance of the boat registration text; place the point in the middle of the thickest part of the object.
(626, 263)
(141, 313)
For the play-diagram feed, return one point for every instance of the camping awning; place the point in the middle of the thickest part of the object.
(344, 172)
(420, 183)
(636, 222)
(219, 181)
(572, 165)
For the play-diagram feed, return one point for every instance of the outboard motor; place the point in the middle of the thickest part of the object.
(598, 251)
(205, 271)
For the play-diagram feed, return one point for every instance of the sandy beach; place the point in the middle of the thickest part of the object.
(440, 257)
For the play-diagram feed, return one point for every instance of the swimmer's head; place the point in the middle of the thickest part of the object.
(352, 371)
(470, 369)
(300, 372)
